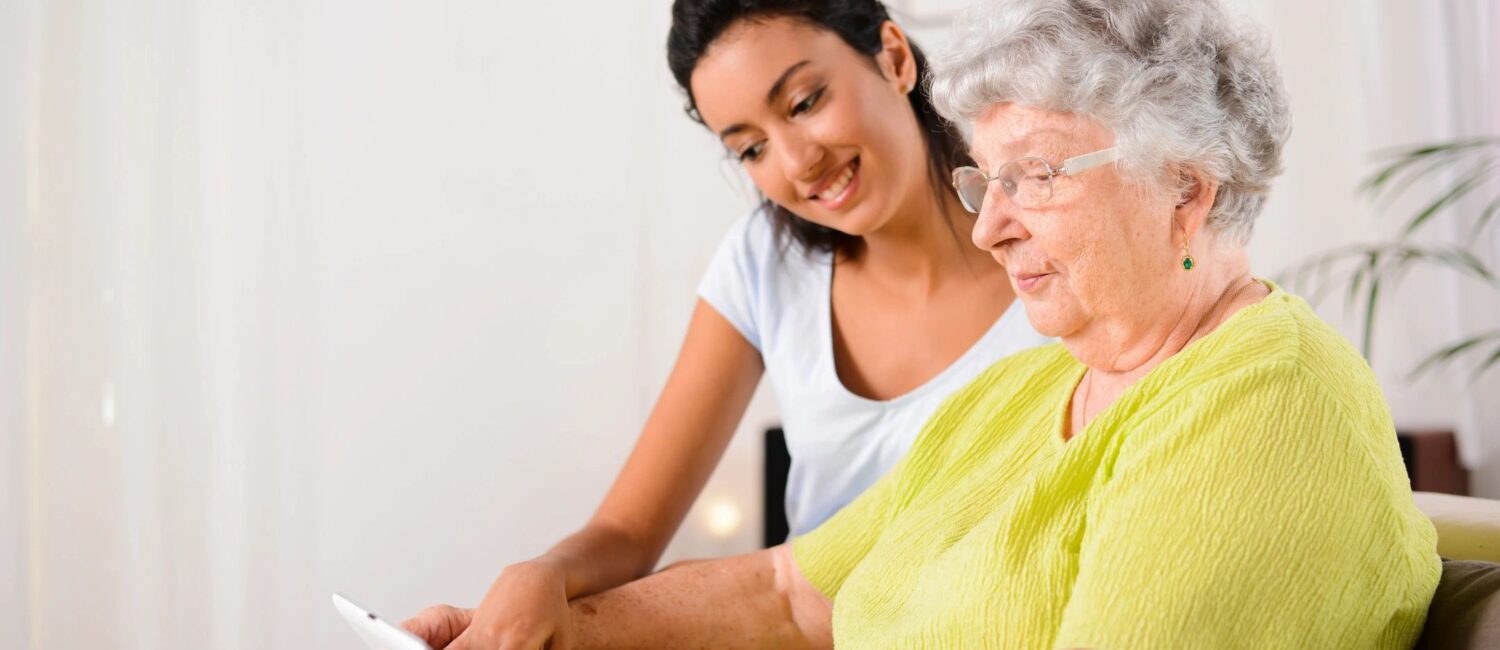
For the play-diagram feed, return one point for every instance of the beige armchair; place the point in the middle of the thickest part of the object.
(1465, 611)
(1467, 528)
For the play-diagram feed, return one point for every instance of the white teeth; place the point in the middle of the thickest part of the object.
(838, 185)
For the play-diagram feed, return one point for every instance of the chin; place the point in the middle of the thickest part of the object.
(1049, 319)
(862, 220)
(859, 225)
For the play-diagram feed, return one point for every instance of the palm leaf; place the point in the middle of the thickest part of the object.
(1489, 361)
(1405, 178)
(1447, 353)
(1411, 165)
(1403, 158)
(1454, 258)
(1368, 342)
(1367, 272)
(1313, 273)
(1368, 269)
(1479, 176)
(1484, 218)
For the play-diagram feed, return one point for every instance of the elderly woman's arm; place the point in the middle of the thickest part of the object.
(757, 600)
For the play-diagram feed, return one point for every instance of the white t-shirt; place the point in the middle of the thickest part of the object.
(777, 295)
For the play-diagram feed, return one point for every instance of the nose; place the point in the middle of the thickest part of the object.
(801, 157)
(998, 221)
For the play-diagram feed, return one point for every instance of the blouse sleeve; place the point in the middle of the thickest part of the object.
(733, 283)
(830, 552)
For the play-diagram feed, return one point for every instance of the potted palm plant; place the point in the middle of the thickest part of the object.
(1444, 175)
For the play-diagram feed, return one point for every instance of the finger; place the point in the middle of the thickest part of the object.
(420, 625)
(464, 641)
(439, 625)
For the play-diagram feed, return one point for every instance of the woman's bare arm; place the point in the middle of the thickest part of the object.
(757, 600)
(693, 420)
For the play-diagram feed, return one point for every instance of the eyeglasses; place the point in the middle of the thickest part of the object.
(1027, 181)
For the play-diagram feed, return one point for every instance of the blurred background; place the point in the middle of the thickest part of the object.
(299, 296)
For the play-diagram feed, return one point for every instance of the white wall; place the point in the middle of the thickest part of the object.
(313, 295)
(16, 31)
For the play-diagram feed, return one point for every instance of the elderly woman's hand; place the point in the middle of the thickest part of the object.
(526, 609)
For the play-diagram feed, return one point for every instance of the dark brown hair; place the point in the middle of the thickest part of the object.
(696, 24)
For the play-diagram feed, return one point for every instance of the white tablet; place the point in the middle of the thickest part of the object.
(375, 632)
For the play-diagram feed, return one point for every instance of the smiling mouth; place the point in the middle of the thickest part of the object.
(835, 191)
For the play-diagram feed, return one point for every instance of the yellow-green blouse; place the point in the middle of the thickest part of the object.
(1247, 493)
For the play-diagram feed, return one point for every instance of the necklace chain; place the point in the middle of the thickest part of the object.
(1088, 378)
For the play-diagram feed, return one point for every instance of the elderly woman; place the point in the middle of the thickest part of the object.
(1200, 463)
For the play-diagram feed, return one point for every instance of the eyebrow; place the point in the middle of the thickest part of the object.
(771, 95)
(1028, 142)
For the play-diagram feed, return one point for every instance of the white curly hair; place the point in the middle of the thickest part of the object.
(1182, 83)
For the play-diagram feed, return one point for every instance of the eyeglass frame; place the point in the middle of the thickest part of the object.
(1071, 166)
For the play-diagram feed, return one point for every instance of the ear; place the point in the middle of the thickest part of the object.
(1194, 203)
(898, 64)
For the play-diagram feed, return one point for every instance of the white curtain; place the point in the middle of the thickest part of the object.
(153, 176)
(16, 25)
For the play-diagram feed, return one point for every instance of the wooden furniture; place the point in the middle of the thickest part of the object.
(1432, 462)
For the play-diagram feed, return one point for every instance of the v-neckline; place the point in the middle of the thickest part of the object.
(1062, 418)
(830, 361)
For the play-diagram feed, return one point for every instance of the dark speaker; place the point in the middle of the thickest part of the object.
(778, 462)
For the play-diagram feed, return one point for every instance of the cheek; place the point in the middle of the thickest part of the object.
(1107, 262)
(1096, 279)
(1084, 257)
(846, 125)
(1068, 248)
(772, 183)
(901, 142)
(881, 126)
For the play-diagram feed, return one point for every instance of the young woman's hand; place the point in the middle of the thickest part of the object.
(439, 625)
(526, 609)
(705, 396)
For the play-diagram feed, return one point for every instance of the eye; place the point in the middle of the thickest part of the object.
(809, 102)
(751, 153)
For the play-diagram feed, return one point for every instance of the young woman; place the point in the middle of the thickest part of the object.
(853, 288)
